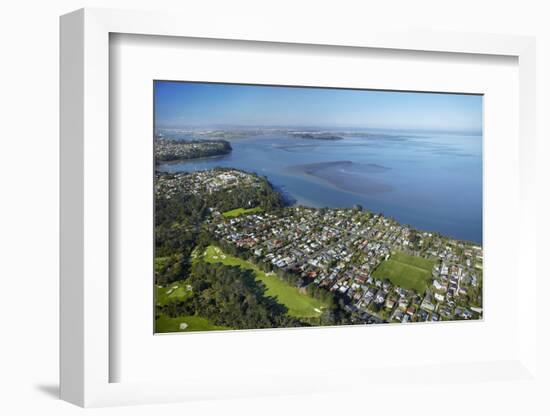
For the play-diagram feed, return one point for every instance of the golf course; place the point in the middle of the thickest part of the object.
(299, 304)
(185, 324)
(179, 291)
(176, 291)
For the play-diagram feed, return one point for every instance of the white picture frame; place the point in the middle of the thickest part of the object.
(86, 356)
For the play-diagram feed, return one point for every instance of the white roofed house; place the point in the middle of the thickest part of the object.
(438, 285)
(427, 305)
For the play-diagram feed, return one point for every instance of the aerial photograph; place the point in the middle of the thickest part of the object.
(289, 206)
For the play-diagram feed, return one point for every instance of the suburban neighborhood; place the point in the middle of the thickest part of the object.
(382, 271)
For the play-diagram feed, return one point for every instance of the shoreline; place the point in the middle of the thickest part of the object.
(193, 159)
(290, 200)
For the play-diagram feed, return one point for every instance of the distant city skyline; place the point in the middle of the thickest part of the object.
(190, 104)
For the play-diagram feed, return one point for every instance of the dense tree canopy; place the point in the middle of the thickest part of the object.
(230, 296)
(179, 220)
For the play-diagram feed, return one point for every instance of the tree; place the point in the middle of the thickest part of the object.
(231, 296)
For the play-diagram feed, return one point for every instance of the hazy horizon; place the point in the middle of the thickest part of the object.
(192, 105)
(340, 129)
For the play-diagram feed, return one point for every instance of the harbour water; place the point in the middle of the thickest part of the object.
(432, 181)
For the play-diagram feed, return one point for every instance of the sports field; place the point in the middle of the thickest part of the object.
(299, 304)
(240, 211)
(408, 272)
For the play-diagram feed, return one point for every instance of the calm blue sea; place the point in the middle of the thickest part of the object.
(432, 181)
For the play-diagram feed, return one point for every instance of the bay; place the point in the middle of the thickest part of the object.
(432, 181)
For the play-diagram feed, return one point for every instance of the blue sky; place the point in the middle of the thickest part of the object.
(182, 104)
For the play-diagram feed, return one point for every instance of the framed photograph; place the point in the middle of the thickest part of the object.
(281, 206)
(341, 204)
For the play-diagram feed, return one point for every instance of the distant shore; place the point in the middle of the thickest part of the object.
(160, 163)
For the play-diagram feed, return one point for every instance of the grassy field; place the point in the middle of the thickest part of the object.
(299, 305)
(408, 272)
(194, 323)
(240, 211)
(179, 291)
(415, 261)
(176, 291)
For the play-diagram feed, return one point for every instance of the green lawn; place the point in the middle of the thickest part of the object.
(194, 323)
(299, 304)
(240, 211)
(176, 291)
(179, 291)
(408, 272)
(416, 261)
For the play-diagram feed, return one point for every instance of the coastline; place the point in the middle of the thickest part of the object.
(302, 201)
(193, 159)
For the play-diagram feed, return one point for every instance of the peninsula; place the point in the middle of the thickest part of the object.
(168, 150)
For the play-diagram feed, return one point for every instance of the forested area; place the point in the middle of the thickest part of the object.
(226, 295)
(178, 222)
(167, 150)
(333, 315)
(230, 296)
